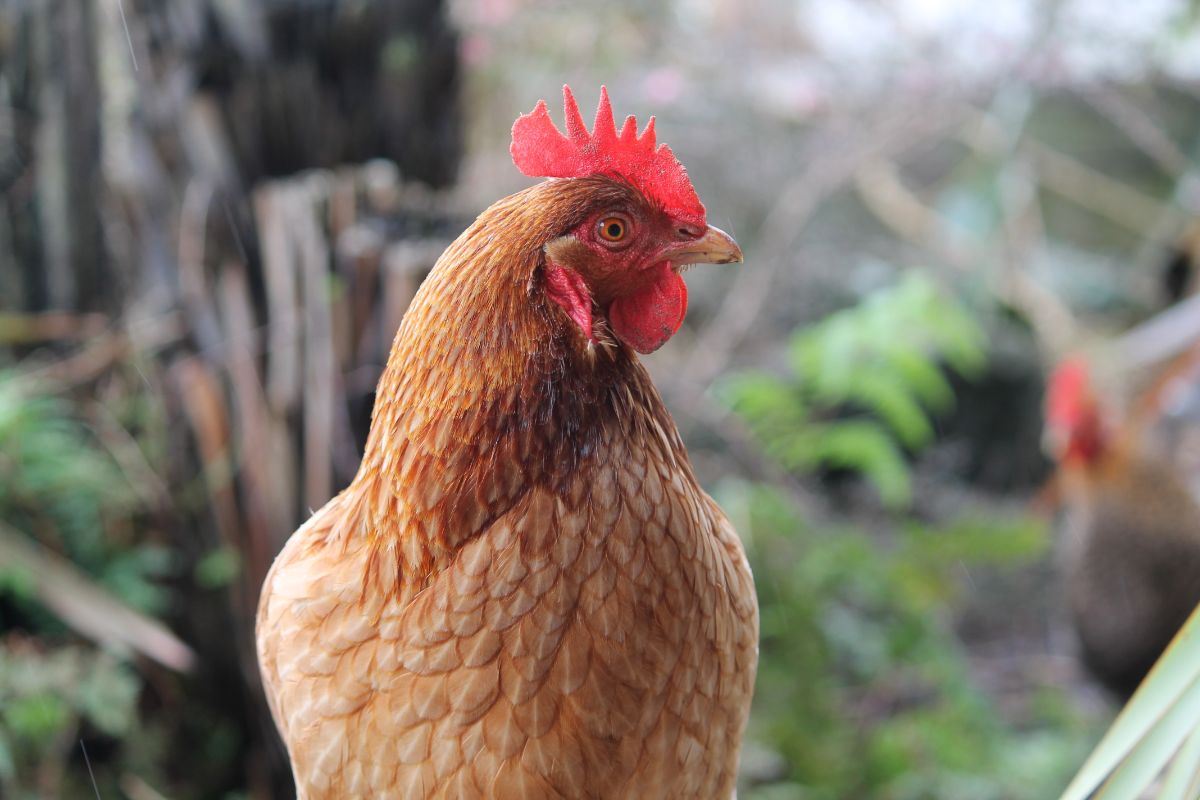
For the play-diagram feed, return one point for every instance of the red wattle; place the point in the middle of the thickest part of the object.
(645, 319)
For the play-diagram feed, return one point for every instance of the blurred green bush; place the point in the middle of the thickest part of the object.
(63, 488)
(862, 385)
(864, 687)
(60, 483)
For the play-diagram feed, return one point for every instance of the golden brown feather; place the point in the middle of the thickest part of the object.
(524, 593)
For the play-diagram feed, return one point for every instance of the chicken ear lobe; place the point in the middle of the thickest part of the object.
(645, 319)
(567, 288)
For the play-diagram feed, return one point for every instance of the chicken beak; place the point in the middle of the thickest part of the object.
(715, 246)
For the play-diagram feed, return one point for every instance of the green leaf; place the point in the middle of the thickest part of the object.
(218, 568)
(920, 375)
(108, 697)
(973, 540)
(1139, 769)
(1161, 714)
(866, 447)
(761, 397)
(1183, 779)
(880, 393)
(882, 357)
(37, 717)
(19, 582)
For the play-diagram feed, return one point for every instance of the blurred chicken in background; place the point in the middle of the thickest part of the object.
(1127, 485)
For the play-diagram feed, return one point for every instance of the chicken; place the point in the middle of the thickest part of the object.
(1131, 552)
(524, 592)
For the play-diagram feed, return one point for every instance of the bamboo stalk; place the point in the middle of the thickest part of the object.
(319, 374)
(283, 363)
(266, 518)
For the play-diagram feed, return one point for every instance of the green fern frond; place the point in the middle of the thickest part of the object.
(57, 479)
(884, 360)
(865, 447)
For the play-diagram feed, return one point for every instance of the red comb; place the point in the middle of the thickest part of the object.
(1068, 393)
(540, 151)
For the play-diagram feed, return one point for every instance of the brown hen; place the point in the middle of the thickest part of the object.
(1131, 545)
(524, 593)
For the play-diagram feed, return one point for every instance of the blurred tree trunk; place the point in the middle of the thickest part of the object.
(108, 113)
(67, 143)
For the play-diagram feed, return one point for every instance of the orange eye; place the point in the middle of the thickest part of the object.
(612, 229)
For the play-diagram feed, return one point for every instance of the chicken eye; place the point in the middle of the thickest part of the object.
(612, 229)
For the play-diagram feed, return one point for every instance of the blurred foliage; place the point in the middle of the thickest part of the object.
(862, 385)
(60, 485)
(50, 700)
(864, 687)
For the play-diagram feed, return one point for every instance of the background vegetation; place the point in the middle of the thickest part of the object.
(214, 215)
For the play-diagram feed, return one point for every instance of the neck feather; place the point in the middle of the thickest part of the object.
(490, 390)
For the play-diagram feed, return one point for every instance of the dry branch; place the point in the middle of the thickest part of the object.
(88, 609)
(1108, 197)
(1141, 129)
(49, 326)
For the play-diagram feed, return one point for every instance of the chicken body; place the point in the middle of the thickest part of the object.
(1131, 544)
(1132, 560)
(524, 593)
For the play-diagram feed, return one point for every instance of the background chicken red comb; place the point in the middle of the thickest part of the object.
(1068, 392)
(540, 150)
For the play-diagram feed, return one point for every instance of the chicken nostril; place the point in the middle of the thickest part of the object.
(688, 232)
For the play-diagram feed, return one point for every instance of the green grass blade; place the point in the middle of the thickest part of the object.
(1137, 772)
(1163, 691)
(1181, 780)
